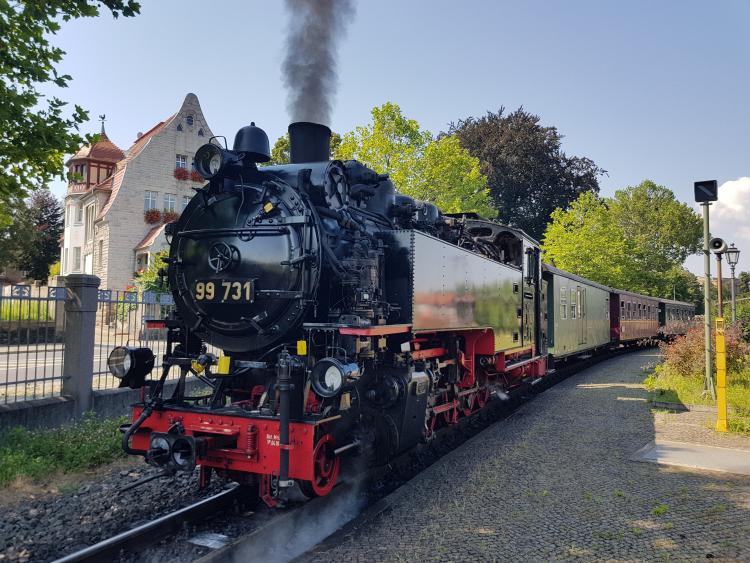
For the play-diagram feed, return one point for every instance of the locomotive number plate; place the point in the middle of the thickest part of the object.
(224, 291)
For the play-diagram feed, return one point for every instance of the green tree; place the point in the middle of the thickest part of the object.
(148, 279)
(585, 240)
(40, 224)
(636, 240)
(37, 131)
(528, 173)
(10, 232)
(743, 283)
(435, 170)
(280, 151)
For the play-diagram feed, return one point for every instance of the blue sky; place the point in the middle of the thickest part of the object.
(653, 90)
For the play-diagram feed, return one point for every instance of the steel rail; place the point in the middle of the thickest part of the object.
(151, 532)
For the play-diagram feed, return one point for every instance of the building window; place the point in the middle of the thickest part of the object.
(150, 202)
(189, 120)
(77, 259)
(185, 201)
(79, 213)
(169, 202)
(100, 254)
(179, 127)
(181, 161)
(200, 132)
(563, 303)
(90, 215)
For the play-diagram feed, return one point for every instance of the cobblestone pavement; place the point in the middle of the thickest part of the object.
(554, 482)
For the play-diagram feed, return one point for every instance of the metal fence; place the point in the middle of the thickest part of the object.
(32, 337)
(121, 319)
(32, 325)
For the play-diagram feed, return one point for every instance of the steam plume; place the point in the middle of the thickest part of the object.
(309, 72)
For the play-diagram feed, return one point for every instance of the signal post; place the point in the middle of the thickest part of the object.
(720, 247)
(706, 192)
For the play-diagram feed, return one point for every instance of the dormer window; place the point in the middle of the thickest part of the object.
(189, 120)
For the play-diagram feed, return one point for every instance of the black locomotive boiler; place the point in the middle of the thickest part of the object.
(354, 321)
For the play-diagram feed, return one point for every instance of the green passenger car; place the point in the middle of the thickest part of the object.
(578, 313)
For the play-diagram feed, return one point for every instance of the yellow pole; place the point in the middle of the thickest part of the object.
(721, 377)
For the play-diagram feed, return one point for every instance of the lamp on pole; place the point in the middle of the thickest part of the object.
(733, 256)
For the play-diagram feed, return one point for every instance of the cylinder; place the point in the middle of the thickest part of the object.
(309, 142)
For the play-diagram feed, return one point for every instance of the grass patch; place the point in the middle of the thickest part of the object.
(659, 510)
(664, 385)
(39, 454)
(26, 311)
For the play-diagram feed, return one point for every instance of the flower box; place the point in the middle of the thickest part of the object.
(181, 173)
(195, 176)
(170, 216)
(152, 216)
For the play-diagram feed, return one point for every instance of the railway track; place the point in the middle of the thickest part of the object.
(146, 534)
(321, 519)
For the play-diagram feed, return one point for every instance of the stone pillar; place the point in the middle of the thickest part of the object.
(80, 327)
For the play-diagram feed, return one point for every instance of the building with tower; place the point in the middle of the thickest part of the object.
(118, 202)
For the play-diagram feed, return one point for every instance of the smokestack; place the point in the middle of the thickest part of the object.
(316, 27)
(309, 142)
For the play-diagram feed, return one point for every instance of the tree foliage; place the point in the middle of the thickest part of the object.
(40, 225)
(37, 131)
(437, 170)
(529, 175)
(743, 283)
(148, 279)
(636, 240)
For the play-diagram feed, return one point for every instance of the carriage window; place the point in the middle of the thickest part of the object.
(629, 314)
(563, 303)
(573, 304)
(582, 302)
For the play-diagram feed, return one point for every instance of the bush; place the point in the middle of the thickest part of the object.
(686, 354)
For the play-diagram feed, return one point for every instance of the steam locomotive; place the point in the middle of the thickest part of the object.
(354, 321)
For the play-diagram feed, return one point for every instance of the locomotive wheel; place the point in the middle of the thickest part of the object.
(483, 396)
(325, 469)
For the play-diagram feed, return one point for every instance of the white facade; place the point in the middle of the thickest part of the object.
(106, 233)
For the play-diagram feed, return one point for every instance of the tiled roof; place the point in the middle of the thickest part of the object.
(103, 150)
(150, 237)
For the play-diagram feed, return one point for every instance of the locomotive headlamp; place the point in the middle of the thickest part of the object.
(211, 160)
(131, 365)
(329, 375)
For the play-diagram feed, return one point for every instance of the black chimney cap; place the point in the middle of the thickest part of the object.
(309, 142)
(253, 141)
